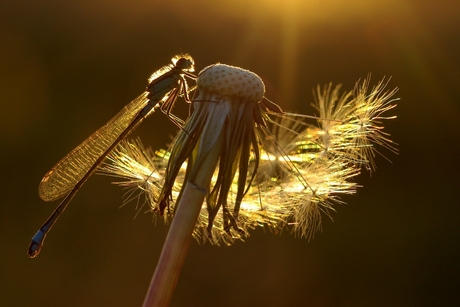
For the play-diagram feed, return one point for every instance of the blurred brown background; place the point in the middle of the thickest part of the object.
(66, 67)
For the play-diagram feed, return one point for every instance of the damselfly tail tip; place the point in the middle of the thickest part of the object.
(34, 249)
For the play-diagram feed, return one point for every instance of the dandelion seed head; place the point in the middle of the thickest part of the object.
(275, 169)
(231, 81)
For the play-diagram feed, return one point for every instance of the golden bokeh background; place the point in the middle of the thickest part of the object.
(66, 67)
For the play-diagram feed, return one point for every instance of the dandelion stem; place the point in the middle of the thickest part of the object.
(180, 233)
(175, 248)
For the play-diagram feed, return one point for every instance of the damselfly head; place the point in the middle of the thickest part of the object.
(184, 62)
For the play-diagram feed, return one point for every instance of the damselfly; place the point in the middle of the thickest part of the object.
(66, 178)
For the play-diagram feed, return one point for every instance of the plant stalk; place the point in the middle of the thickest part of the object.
(175, 248)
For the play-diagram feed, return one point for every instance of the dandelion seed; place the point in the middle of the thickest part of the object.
(351, 123)
(138, 169)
